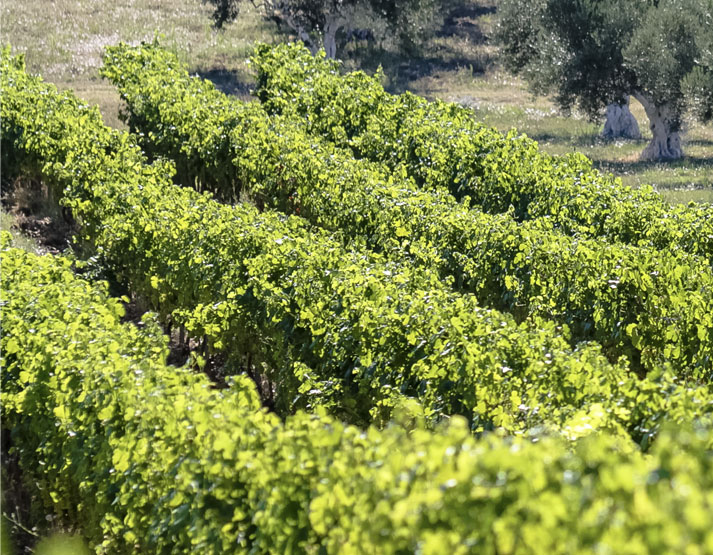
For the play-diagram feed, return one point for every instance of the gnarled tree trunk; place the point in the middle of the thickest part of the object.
(620, 122)
(294, 24)
(332, 24)
(665, 126)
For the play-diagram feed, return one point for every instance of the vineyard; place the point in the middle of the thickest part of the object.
(403, 331)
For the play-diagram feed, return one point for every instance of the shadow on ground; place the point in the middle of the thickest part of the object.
(578, 141)
(639, 166)
(227, 81)
(460, 24)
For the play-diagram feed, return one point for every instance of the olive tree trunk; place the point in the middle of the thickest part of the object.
(301, 32)
(329, 37)
(333, 22)
(620, 122)
(664, 121)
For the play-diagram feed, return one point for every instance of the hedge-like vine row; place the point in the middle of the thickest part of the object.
(649, 305)
(268, 286)
(149, 458)
(442, 146)
(332, 327)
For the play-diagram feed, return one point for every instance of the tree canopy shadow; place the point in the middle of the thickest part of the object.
(461, 21)
(579, 141)
(460, 24)
(227, 81)
(699, 142)
(641, 166)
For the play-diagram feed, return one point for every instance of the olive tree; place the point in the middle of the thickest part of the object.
(318, 22)
(598, 53)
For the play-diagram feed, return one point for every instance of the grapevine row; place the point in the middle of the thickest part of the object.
(441, 145)
(334, 327)
(147, 458)
(649, 305)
